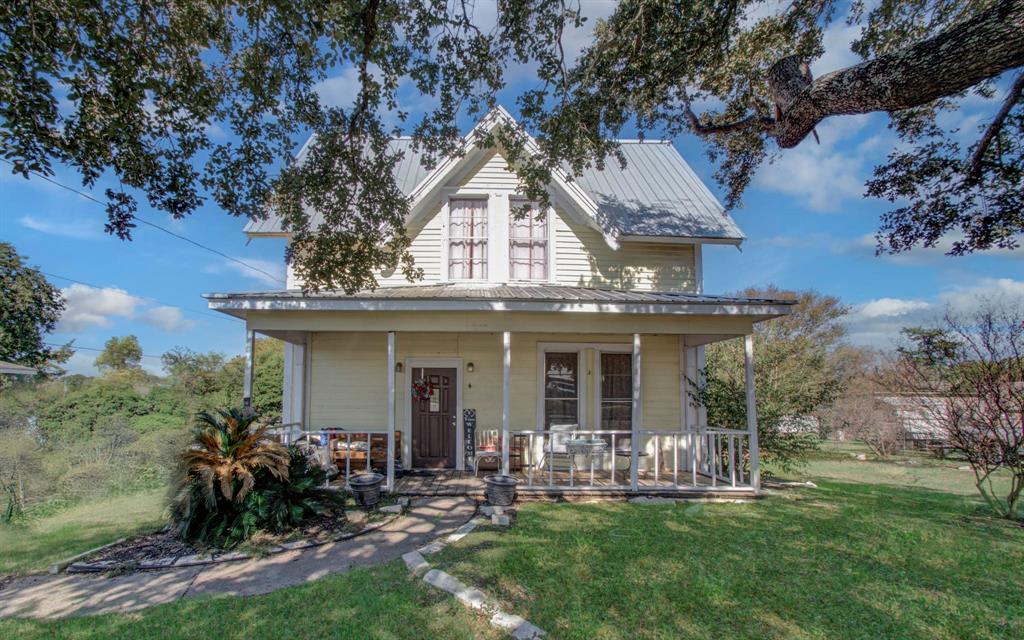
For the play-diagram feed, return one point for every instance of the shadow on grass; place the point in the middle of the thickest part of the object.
(844, 561)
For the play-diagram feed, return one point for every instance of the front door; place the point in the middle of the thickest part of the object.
(434, 418)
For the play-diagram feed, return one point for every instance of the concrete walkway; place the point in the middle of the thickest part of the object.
(86, 594)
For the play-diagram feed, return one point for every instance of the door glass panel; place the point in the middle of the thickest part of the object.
(561, 389)
(616, 391)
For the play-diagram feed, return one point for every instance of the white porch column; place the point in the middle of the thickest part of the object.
(755, 470)
(636, 418)
(506, 366)
(294, 383)
(250, 346)
(391, 412)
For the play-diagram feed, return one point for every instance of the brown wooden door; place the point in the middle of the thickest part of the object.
(434, 420)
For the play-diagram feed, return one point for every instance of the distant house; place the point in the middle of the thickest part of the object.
(917, 417)
(12, 369)
(556, 347)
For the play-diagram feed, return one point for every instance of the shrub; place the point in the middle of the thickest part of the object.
(234, 483)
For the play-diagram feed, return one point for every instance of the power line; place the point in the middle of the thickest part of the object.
(89, 196)
(78, 348)
(96, 286)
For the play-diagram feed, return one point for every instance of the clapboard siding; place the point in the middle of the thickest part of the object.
(426, 252)
(348, 383)
(582, 257)
(490, 174)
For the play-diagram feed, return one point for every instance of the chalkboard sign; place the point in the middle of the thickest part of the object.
(469, 429)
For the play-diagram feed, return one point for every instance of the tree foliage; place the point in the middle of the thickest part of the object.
(799, 367)
(120, 355)
(966, 374)
(138, 91)
(29, 309)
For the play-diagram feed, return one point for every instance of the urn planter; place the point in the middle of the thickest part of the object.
(366, 489)
(501, 490)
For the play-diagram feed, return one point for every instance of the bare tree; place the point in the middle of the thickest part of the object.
(862, 413)
(968, 373)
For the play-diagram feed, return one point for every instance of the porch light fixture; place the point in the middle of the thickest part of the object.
(398, 367)
(469, 367)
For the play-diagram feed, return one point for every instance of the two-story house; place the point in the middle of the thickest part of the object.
(560, 347)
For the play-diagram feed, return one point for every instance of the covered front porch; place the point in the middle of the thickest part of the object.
(565, 399)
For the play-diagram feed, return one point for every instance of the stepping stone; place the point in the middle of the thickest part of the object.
(500, 520)
(469, 596)
(416, 563)
(391, 508)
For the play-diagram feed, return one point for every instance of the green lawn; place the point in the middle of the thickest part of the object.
(882, 549)
(381, 603)
(32, 547)
(895, 549)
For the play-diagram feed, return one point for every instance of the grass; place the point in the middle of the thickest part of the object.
(851, 559)
(882, 549)
(383, 602)
(34, 545)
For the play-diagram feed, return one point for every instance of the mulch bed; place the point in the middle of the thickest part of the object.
(165, 543)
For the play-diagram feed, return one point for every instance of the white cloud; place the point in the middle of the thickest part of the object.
(275, 269)
(340, 90)
(70, 229)
(889, 307)
(878, 322)
(821, 175)
(88, 307)
(967, 298)
(836, 39)
(169, 319)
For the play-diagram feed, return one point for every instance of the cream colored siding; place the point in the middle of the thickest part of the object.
(490, 174)
(584, 259)
(348, 383)
(425, 250)
(581, 255)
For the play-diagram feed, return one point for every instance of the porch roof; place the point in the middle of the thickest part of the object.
(502, 297)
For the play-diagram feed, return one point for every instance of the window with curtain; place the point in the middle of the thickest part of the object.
(616, 391)
(467, 239)
(561, 390)
(528, 244)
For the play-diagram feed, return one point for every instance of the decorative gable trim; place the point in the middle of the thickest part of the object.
(576, 202)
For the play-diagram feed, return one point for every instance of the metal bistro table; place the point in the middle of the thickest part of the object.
(587, 447)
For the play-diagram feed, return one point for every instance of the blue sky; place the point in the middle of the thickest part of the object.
(807, 226)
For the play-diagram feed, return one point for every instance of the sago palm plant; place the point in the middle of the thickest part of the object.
(219, 470)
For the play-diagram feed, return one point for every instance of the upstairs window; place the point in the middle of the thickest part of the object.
(467, 239)
(528, 244)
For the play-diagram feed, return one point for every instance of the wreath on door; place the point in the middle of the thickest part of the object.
(421, 389)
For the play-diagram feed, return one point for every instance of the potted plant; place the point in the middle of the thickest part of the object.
(366, 489)
(501, 490)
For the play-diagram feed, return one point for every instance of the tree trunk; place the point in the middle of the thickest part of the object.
(956, 59)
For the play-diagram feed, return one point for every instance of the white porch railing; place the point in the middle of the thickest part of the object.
(702, 458)
(325, 442)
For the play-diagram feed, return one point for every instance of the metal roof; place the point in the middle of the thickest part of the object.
(656, 194)
(526, 292)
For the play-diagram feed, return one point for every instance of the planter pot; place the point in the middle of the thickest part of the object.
(501, 490)
(366, 489)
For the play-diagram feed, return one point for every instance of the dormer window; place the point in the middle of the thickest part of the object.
(527, 243)
(467, 239)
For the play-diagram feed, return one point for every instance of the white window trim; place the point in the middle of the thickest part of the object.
(549, 231)
(445, 214)
(589, 392)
